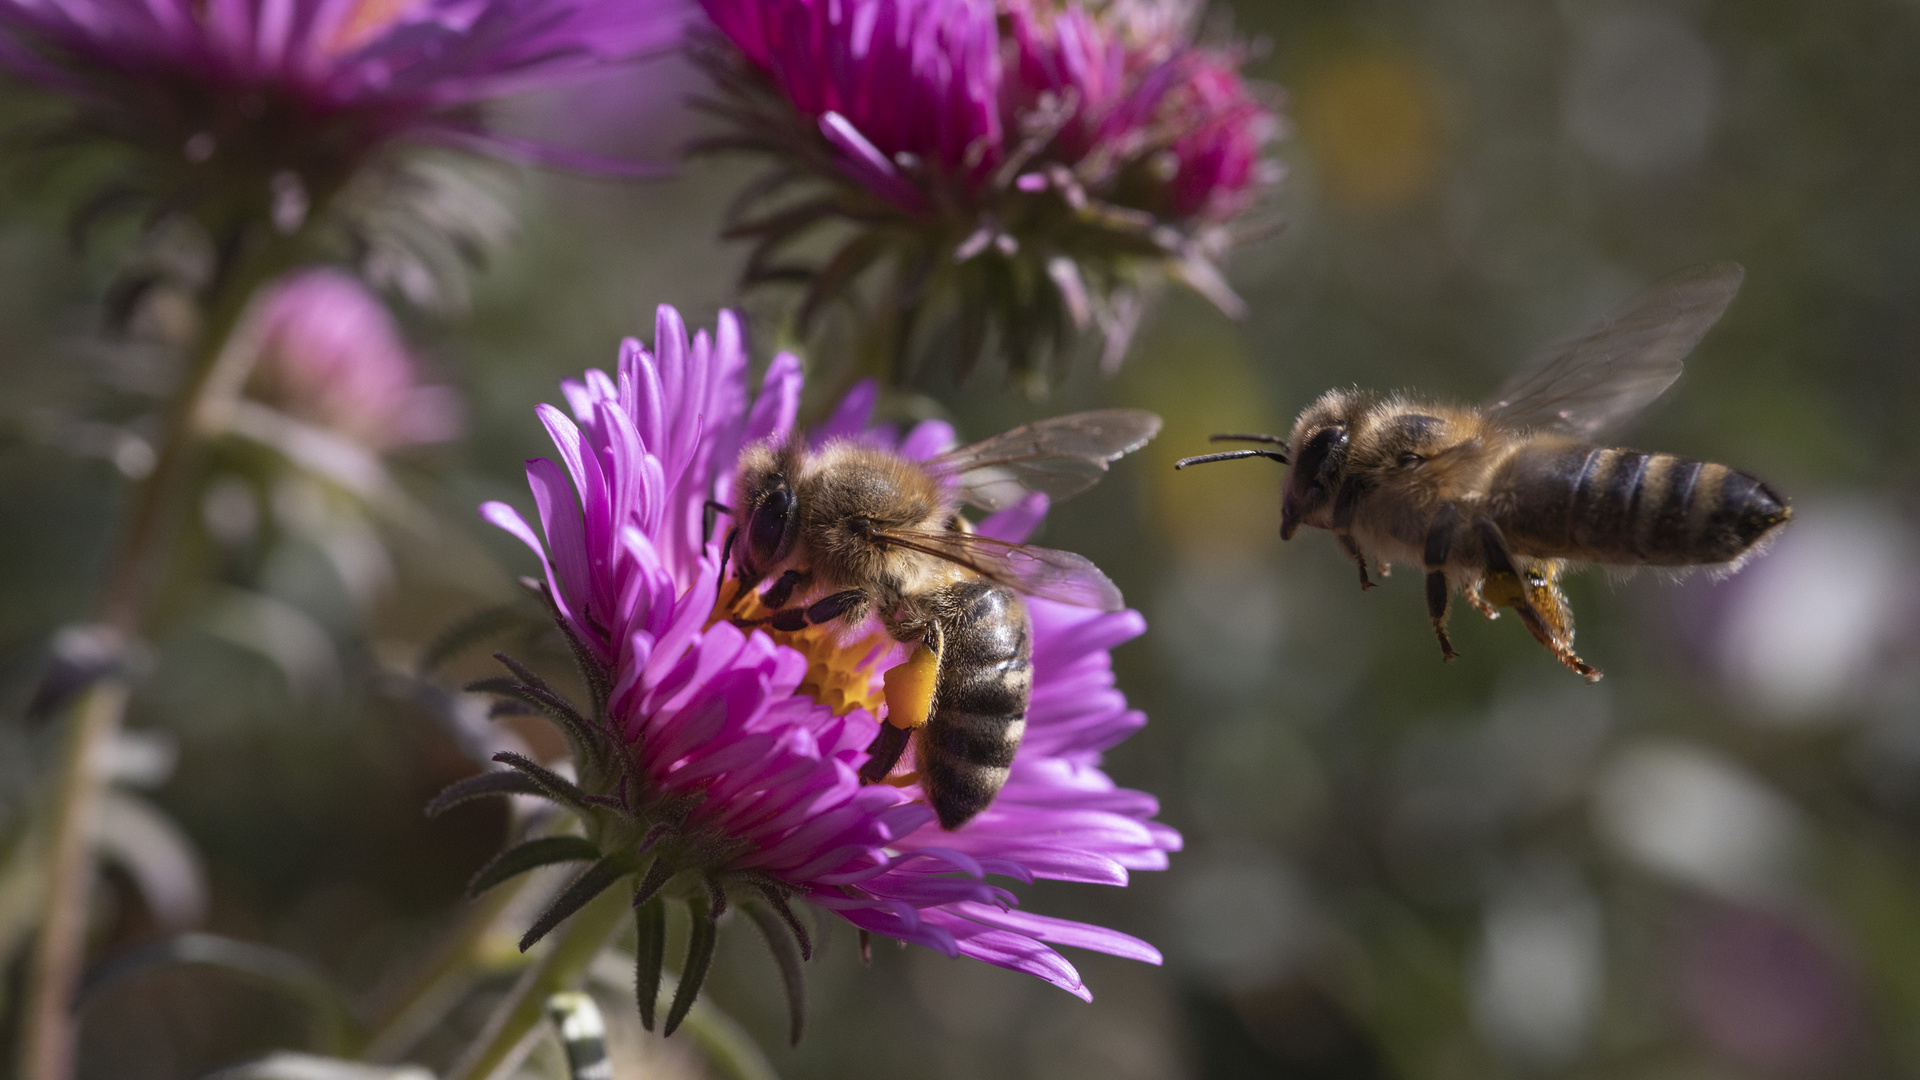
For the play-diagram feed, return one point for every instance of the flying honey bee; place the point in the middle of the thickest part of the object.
(848, 531)
(1498, 501)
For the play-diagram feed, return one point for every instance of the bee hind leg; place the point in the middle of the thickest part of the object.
(1541, 606)
(1439, 546)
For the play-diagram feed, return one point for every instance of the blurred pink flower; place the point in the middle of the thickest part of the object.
(332, 355)
(1036, 159)
(1760, 989)
(262, 108)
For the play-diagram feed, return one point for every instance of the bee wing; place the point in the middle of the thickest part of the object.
(1062, 456)
(1617, 368)
(1035, 571)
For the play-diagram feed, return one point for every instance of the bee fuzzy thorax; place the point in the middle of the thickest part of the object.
(831, 540)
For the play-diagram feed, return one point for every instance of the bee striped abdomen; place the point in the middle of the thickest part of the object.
(1627, 507)
(980, 708)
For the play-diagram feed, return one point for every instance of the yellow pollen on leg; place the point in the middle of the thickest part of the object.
(842, 675)
(909, 688)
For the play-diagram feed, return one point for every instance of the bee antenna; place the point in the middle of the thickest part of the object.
(1231, 455)
(1274, 440)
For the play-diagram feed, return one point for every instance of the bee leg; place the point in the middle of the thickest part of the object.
(781, 590)
(1438, 547)
(708, 513)
(910, 690)
(774, 599)
(1552, 628)
(1346, 502)
(851, 602)
(726, 554)
(884, 752)
(1472, 595)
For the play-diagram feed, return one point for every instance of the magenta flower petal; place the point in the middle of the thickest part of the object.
(721, 725)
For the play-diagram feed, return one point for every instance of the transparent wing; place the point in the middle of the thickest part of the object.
(1035, 571)
(1617, 368)
(1062, 456)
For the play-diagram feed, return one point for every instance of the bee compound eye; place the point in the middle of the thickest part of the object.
(1322, 456)
(768, 529)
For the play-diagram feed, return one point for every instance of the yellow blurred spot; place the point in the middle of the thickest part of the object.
(1372, 124)
(843, 676)
(1198, 378)
(366, 20)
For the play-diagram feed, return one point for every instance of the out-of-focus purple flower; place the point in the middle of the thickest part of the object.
(1761, 990)
(900, 87)
(273, 103)
(1024, 167)
(1155, 123)
(735, 757)
(331, 354)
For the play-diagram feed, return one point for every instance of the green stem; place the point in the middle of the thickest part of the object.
(503, 1043)
(411, 1010)
(216, 373)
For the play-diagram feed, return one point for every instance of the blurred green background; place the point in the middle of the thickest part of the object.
(1706, 866)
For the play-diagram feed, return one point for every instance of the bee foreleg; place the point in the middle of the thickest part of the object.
(1439, 546)
(850, 603)
(1346, 502)
(781, 590)
(726, 553)
(708, 513)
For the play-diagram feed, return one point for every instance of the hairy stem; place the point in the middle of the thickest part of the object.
(504, 1042)
(215, 374)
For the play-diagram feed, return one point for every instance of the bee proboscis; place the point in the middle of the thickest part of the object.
(1497, 501)
(849, 530)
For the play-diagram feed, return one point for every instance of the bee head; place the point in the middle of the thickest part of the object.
(1318, 454)
(768, 519)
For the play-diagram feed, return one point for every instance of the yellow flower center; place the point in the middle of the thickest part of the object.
(364, 21)
(843, 675)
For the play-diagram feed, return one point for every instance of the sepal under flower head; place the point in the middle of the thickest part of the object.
(713, 767)
(1021, 174)
(255, 114)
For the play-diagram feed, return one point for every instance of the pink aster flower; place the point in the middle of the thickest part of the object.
(267, 106)
(331, 354)
(720, 766)
(1022, 165)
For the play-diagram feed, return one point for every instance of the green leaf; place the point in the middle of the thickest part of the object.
(588, 885)
(484, 785)
(532, 855)
(700, 942)
(650, 952)
(786, 954)
(334, 1024)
